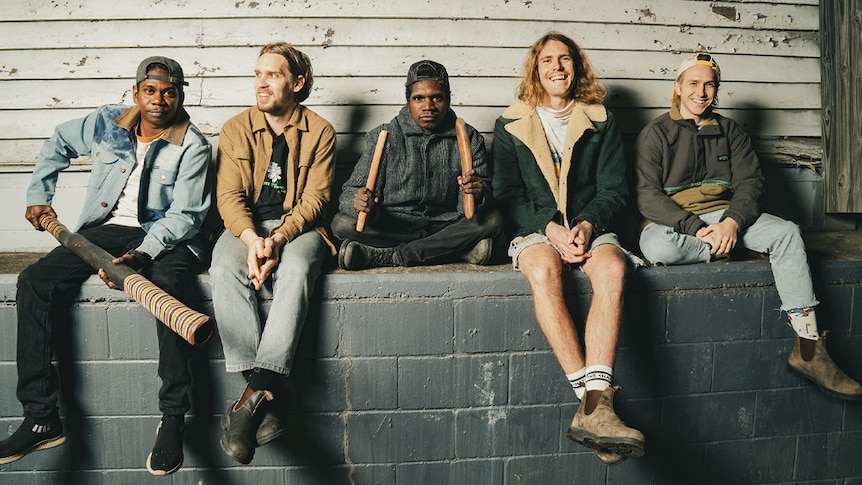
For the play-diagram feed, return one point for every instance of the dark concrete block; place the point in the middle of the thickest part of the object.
(643, 318)
(752, 365)
(101, 477)
(8, 401)
(401, 436)
(452, 381)
(750, 461)
(132, 332)
(322, 332)
(834, 455)
(536, 378)
(795, 412)
(328, 384)
(569, 468)
(709, 417)
(713, 316)
(424, 327)
(455, 471)
(187, 476)
(665, 370)
(834, 313)
(497, 324)
(9, 330)
(117, 388)
(87, 332)
(507, 431)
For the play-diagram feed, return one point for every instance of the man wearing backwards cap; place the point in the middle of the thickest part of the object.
(699, 186)
(148, 194)
(416, 212)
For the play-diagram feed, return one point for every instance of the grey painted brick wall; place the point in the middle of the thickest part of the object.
(444, 378)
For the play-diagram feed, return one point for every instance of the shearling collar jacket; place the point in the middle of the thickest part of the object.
(592, 181)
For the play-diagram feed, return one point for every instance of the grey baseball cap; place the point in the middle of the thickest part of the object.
(175, 71)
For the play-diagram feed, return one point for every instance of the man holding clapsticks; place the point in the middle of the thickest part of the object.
(419, 194)
(148, 194)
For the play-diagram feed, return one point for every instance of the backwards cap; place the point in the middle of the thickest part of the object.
(175, 72)
(699, 59)
(427, 70)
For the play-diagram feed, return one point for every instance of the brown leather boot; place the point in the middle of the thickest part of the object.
(823, 371)
(240, 439)
(604, 431)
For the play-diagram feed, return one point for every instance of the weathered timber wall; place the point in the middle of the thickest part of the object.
(60, 60)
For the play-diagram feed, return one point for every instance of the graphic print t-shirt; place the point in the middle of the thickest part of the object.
(270, 204)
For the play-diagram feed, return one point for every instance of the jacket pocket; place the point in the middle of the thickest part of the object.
(103, 163)
(161, 191)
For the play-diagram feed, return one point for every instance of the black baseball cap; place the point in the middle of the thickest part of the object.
(427, 70)
(175, 72)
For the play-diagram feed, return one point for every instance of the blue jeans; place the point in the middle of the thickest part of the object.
(253, 334)
(779, 238)
(48, 287)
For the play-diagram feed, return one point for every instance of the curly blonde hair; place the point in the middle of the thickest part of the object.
(586, 87)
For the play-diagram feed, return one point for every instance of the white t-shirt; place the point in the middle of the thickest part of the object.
(125, 213)
(555, 123)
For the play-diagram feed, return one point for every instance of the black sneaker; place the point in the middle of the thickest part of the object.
(353, 255)
(167, 454)
(30, 437)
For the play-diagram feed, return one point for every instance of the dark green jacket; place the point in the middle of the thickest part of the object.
(592, 183)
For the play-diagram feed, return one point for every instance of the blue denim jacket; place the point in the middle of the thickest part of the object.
(175, 188)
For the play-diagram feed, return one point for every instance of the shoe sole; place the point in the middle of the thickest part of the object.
(161, 473)
(625, 447)
(42, 445)
(826, 390)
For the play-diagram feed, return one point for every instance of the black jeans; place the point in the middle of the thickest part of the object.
(437, 242)
(48, 288)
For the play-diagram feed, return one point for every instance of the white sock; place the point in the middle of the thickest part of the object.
(599, 377)
(576, 379)
(804, 322)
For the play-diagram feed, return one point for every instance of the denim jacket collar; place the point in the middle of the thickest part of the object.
(175, 133)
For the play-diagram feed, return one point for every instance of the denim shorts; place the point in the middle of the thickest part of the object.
(521, 242)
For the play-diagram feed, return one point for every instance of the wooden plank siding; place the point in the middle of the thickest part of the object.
(59, 60)
(841, 70)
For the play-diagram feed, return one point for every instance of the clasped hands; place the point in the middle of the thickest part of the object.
(573, 244)
(720, 236)
(264, 254)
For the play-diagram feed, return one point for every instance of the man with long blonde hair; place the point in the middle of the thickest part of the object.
(559, 175)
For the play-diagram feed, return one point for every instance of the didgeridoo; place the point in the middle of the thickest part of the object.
(466, 163)
(195, 327)
(372, 175)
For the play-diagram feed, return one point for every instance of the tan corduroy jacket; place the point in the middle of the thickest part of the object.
(244, 152)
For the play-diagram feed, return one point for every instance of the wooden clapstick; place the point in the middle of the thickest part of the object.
(194, 327)
(466, 163)
(372, 175)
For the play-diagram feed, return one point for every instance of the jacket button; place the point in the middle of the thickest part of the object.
(122, 169)
(98, 154)
(162, 177)
(103, 204)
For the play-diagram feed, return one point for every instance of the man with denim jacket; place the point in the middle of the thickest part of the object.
(416, 210)
(699, 186)
(148, 194)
